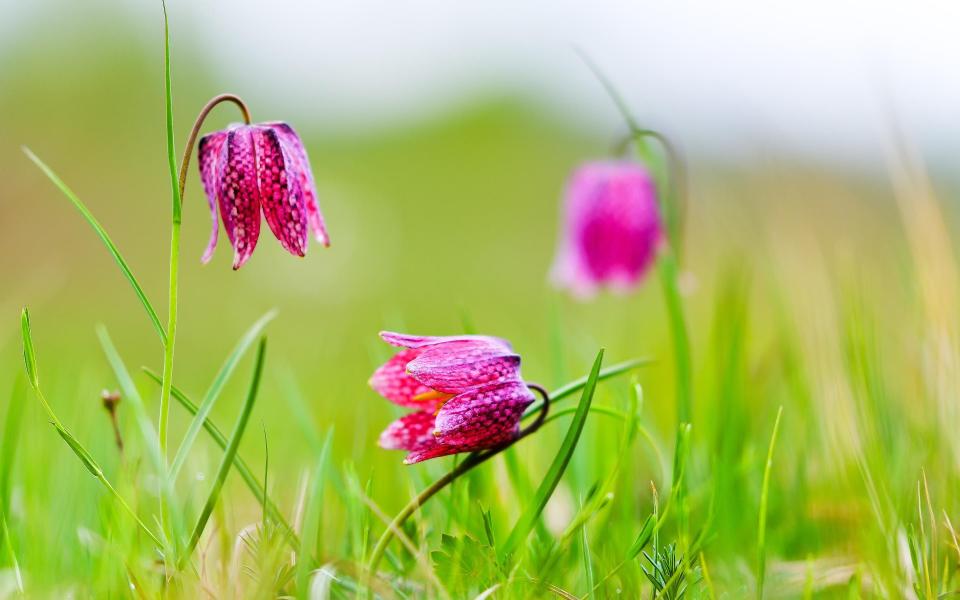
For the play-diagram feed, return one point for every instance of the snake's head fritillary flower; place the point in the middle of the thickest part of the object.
(466, 393)
(247, 169)
(612, 228)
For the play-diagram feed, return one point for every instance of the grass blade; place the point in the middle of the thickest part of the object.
(102, 233)
(8, 447)
(85, 457)
(550, 481)
(151, 439)
(29, 354)
(587, 561)
(11, 554)
(310, 536)
(132, 395)
(210, 398)
(168, 106)
(243, 469)
(764, 493)
(578, 384)
(230, 452)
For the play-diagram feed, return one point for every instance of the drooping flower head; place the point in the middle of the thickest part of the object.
(247, 169)
(612, 228)
(466, 393)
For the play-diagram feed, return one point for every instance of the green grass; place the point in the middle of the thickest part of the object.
(797, 288)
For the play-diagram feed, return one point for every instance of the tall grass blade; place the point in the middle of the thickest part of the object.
(102, 233)
(82, 453)
(550, 481)
(132, 396)
(242, 467)
(8, 446)
(168, 106)
(145, 424)
(29, 354)
(11, 553)
(230, 452)
(578, 384)
(310, 536)
(764, 494)
(210, 398)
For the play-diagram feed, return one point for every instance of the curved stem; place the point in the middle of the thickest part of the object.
(192, 139)
(475, 459)
(676, 208)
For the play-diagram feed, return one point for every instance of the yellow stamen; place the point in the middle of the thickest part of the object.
(431, 395)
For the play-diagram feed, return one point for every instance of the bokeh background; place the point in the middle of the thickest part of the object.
(440, 136)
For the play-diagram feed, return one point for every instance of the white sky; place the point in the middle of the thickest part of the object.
(730, 78)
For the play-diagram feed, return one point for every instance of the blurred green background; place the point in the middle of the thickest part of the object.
(805, 288)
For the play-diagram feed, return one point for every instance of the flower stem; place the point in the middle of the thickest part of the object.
(474, 460)
(180, 177)
(167, 377)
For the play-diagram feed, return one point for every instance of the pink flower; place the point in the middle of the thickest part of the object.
(466, 390)
(249, 168)
(612, 229)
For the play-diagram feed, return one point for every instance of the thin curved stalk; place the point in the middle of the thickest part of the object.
(474, 460)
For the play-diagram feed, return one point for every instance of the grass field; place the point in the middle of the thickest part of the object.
(820, 457)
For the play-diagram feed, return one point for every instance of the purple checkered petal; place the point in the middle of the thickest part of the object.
(211, 152)
(280, 194)
(434, 450)
(300, 168)
(393, 382)
(454, 366)
(403, 340)
(410, 432)
(483, 417)
(239, 195)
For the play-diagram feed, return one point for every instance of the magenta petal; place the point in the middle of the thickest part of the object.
(434, 450)
(393, 382)
(410, 432)
(612, 228)
(403, 340)
(301, 169)
(239, 194)
(280, 194)
(483, 417)
(211, 156)
(454, 366)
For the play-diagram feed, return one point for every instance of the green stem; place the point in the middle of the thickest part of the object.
(180, 182)
(130, 511)
(669, 276)
(167, 378)
(472, 461)
(475, 459)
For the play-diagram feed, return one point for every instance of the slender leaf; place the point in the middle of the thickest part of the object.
(233, 444)
(82, 453)
(243, 469)
(550, 481)
(102, 233)
(311, 534)
(210, 398)
(132, 396)
(578, 384)
(85, 457)
(168, 106)
(11, 553)
(151, 439)
(764, 494)
(29, 354)
(11, 437)
(643, 538)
